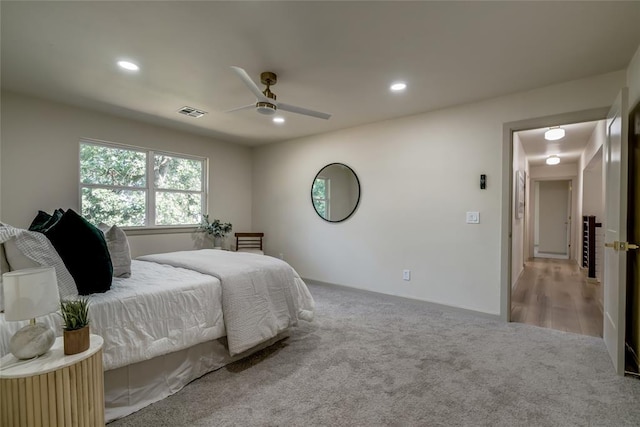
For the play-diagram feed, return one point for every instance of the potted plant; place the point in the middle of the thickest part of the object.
(216, 229)
(75, 318)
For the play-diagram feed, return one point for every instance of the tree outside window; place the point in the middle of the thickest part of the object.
(134, 187)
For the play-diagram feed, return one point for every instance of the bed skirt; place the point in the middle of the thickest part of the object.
(131, 388)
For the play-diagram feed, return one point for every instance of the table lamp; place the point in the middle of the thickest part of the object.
(30, 293)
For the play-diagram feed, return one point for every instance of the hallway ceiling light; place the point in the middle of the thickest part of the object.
(554, 133)
(553, 160)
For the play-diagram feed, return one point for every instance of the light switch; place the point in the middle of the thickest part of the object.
(473, 217)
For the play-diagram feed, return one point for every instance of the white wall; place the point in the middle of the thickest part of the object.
(419, 176)
(40, 141)
(633, 79)
(594, 205)
(592, 194)
(518, 253)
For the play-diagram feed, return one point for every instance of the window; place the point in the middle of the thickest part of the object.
(320, 193)
(134, 187)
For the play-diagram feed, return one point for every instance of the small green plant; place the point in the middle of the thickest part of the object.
(215, 228)
(75, 313)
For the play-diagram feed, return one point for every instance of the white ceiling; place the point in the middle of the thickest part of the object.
(338, 57)
(569, 148)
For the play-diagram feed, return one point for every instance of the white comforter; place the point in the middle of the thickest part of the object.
(261, 296)
(159, 310)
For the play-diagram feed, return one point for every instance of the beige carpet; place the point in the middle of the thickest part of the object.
(372, 360)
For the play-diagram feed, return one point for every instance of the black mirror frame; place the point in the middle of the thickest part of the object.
(359, 192)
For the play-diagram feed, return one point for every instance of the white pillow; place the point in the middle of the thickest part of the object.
(17, 260)
(25, 249)
(119, 250)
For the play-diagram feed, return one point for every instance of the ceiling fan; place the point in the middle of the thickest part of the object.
(266, 100)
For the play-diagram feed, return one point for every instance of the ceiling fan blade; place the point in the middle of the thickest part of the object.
(249, 83)
(304, 111)
(245, 107)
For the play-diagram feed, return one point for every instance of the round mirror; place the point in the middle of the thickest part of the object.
(335, 192)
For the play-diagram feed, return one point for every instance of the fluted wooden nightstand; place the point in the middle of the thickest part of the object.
(53, 389)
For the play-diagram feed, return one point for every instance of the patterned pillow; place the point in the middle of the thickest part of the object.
(4, 267)
(34, 248)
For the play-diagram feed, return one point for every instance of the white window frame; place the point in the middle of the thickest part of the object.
(150, 188)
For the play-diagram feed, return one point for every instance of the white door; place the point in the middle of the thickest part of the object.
(554, 219)
(615, 175)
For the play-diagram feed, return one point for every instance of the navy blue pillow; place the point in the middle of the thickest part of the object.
(84, 251)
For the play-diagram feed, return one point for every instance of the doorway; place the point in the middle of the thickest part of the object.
(632, 335)
(628, 297)
(549, 287)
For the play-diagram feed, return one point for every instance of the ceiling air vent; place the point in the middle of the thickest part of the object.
(191, 112)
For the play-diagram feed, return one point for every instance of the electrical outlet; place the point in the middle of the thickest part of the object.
(406, 275)
(282, 256)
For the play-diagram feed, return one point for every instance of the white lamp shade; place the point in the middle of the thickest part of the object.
(30, 293)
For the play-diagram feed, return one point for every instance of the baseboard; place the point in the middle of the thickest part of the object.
(443, 307)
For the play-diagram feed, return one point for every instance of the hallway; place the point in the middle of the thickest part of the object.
(555, 294)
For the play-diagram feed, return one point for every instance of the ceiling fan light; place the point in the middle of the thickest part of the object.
(553, 160)
(266, 108)
(553, 134)
(278, 120)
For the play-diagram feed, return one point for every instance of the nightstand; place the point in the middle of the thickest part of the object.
(53, 389)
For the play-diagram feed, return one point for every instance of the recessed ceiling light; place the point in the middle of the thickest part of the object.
(554, 133)
(278, 120)
(130, 66)
(553, 160)
(398, 87)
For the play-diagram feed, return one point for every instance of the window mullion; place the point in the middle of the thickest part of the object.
(151, 194)
(112, 187)
(169, 190)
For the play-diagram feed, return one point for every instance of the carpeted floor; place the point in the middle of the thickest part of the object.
(370, 360)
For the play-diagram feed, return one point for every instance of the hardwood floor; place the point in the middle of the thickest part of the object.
(555, 294)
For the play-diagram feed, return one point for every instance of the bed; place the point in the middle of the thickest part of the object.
(183, 314)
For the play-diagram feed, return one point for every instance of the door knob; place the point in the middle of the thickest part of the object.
(621, 246)
(615, 245)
